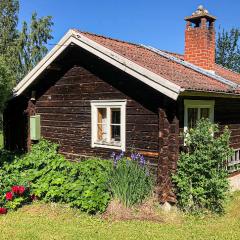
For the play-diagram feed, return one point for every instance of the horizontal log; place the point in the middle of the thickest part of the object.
(80, 78)
(149, 154)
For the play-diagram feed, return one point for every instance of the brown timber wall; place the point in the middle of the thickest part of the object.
(66, 113)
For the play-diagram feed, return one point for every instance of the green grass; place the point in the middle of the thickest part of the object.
(1, 140)
(45, 221)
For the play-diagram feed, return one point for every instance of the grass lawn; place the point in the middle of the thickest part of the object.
(42, 221)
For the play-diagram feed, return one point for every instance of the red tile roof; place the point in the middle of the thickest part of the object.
(177, 73)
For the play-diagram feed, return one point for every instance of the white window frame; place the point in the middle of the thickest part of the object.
(198, 104)
(108, 104)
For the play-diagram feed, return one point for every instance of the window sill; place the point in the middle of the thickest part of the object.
(109, 146)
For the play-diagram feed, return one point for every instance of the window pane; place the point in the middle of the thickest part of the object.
(204, 112)
(115, 133)
(115, 116)
(192, 117)
(102, 115)
(102, 124)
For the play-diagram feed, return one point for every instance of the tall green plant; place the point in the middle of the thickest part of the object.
(201, 179)
(130, 181)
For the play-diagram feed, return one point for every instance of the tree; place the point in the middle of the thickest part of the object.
(8, 24)
(228, 49)
(21, 50)
(32, 42)
(6, 83)
(8, 35)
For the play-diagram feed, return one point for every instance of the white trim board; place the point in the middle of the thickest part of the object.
(108, 105)
(188, 103)
(144, 75)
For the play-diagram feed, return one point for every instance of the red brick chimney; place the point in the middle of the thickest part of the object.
(200, 39)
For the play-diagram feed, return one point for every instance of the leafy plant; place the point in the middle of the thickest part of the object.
(130, 181)
(201, 178)
(53, 178)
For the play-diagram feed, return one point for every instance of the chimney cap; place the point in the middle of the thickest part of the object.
(200, 13)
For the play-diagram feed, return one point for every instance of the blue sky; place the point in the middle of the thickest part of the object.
(153, 22)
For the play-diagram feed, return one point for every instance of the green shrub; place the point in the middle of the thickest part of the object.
(53, 178)
(201, 178)
(130, 181)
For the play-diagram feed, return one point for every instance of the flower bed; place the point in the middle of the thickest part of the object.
(17, 197)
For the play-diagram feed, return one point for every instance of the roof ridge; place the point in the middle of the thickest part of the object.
(123, 41)
(193, 67)
(175, 53)
(142, 45)
(106, 37)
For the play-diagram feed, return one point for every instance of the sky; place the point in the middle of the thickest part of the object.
(159, 23)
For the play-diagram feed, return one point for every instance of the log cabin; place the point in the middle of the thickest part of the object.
(94, 95)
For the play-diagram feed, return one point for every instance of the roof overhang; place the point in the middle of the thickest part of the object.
(148, 77)
(210, 94)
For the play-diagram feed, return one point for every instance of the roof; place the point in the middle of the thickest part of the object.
(181, 75)
(164, 71)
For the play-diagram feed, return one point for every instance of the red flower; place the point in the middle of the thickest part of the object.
(33, 197)
(9, 196)
(15, 189)
(18, 190)
(3, 210)
(21, 190)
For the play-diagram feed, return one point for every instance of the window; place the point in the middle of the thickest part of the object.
(108, 124)
(197, 109)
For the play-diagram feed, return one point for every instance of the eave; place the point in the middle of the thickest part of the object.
(148, 77)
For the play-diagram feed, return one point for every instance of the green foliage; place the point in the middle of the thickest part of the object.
(21, 50)
(32, 42)
(8, 25)
(53, 178)
(228, 49)
(16, 203)
(201, 179)
(6, 83)
(130, 182)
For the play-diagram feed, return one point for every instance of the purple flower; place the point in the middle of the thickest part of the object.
(142, 160)
(139, 158)
(133, 156)
(117, 157)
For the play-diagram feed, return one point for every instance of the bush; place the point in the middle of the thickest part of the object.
(201, 178)
(53, 178)
(130, 181)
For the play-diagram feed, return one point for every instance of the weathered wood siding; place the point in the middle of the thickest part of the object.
(227, 112)
(66, 112)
